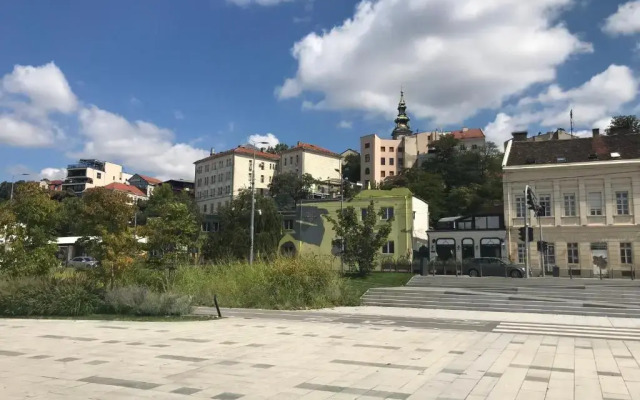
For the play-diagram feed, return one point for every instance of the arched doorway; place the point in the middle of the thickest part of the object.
(288, 249)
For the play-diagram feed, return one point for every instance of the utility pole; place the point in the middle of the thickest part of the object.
(253, 201)
(341, 213)
(543, 249)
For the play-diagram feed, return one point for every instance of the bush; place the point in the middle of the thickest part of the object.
(136, 300)
(50, 296)
(283, 283)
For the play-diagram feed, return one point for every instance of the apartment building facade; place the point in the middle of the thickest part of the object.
(90, 173)
(324, 165)
(382, 158)
(221, 176)
(146, 184)
(590, 191)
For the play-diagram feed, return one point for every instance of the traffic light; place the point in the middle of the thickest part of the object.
(531, 200)
(522, 234)
(542, 245)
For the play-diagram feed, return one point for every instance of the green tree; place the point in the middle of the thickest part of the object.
(362, 239)
(427, 186)
(624, 125)
(290, 188)
(279, 148)
(172, 235)
(233, 238)
(351, 168)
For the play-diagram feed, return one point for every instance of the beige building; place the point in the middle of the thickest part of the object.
(383, 158)
(87, 174)
(324, 165)
(221, 176)
(590, 190)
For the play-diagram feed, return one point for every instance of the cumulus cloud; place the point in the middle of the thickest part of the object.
(141, 146)
(593, 103)
(269, 138)
(53, 173)
(345, 124)
(28, 97)
(454, 57)
(245, 3)
(625, 21)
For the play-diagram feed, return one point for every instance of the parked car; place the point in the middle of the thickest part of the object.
(83, 262)
(489, 266)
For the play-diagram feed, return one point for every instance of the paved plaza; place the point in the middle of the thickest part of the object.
(351, 353)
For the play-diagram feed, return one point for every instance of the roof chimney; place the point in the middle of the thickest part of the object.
(595, 132)
(520, 136)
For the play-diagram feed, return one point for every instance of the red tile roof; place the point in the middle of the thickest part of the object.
(313, 147)
(153, 181)
(121, 187)
(475, 133)
(242, 150)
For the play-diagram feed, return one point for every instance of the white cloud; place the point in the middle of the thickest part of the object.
(454, 57)
(269, 138)
(345, 124)
(245, 3)
(15, 131)
(53, 173)
(626, 21)
(177, 114)
(593, 103)
(141, 146)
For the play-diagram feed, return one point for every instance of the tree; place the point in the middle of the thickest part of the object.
(279, 148)
(233, 238)
(172, 234)
(351, 168)
(362, 240)
(624, 125)
(427, 186)
(290, 187)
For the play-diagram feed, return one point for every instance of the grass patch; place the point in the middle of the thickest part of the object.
(132, 318)
(376, 279)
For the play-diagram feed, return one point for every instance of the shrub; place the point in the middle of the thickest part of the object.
(137, 300)
(50, 296)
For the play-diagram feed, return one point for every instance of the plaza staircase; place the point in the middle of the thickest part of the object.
(612, 298)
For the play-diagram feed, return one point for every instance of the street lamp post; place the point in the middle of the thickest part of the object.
(253, 200)
(341, 213)
(12, 179)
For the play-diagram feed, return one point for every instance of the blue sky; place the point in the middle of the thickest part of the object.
(155, 87)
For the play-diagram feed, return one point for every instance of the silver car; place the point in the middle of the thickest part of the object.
(83, 262)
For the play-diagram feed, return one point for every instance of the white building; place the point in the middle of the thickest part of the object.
(89, 173)
(324, 165)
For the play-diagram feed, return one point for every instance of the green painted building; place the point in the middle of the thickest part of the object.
(306, 230)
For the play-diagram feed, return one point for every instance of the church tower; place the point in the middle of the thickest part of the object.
(402, 120)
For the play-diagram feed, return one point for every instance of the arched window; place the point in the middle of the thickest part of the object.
(467, 248)
(367, 171)
(491, 247)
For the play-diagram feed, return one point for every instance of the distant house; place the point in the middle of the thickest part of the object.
(54, 185)
(133, 192)
(180, 185)
(145, 183)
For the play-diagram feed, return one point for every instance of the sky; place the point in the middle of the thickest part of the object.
(156, 85)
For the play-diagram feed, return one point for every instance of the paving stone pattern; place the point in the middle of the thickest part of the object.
(243, 358)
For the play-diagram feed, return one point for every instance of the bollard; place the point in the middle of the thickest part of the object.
(215, 302)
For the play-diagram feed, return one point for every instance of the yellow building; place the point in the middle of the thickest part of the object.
(324, 165)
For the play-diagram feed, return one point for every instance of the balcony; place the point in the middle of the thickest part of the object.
(72, 180)
(83, 164)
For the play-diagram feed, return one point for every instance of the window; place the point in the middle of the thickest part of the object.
(391, 161)
(569, 205)
(270, 178)
(199, 182)
(595, 203)
(297, 158)
(390, 173)
(366, 145)
(463, 147)
(206, 180)
(474, 146)
(383, 148)
(550, 255)
(285, 161)
(545, 203)
(467, 248)
(521, 253)
(206, 168)
(572, 253)
(213, 179)
(383, 161)
(204, 208)
(387, 213)
(99, 175)
(622, 203)
(214, 166)
(625, 253)
(400, 162)
(367, 171)
(521, 207)
(261, 178)
(215, 226)
(367, 158)
(291, 160)
(490, 222)
(400, 149)
(288, 224)
(388, 248)
(382, 174)
(390, 148)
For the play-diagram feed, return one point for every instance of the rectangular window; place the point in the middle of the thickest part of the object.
(390, 148)
(213, 179)
(288, 224)
(400, 162)
(521, 253)
(550, 255)
(474, 147)
(383, 161)
(387, 213)
(261, 178)
(521, 207)
(391, 161)
(388, 248)
(297, 158)
(400, 149)
(545, 204)
(206, 180)
(383, 148)
(204, 208)
(366, 145)
(382, 174)
(285, 161)
(291, 160)
(270, 178)
(199, 182)
(206, 168)
(572, 253)
(99, 175)
(390, 173)
(625, 253)
(595, 203)
(367, 158)
(622, 203)
(569, 205)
